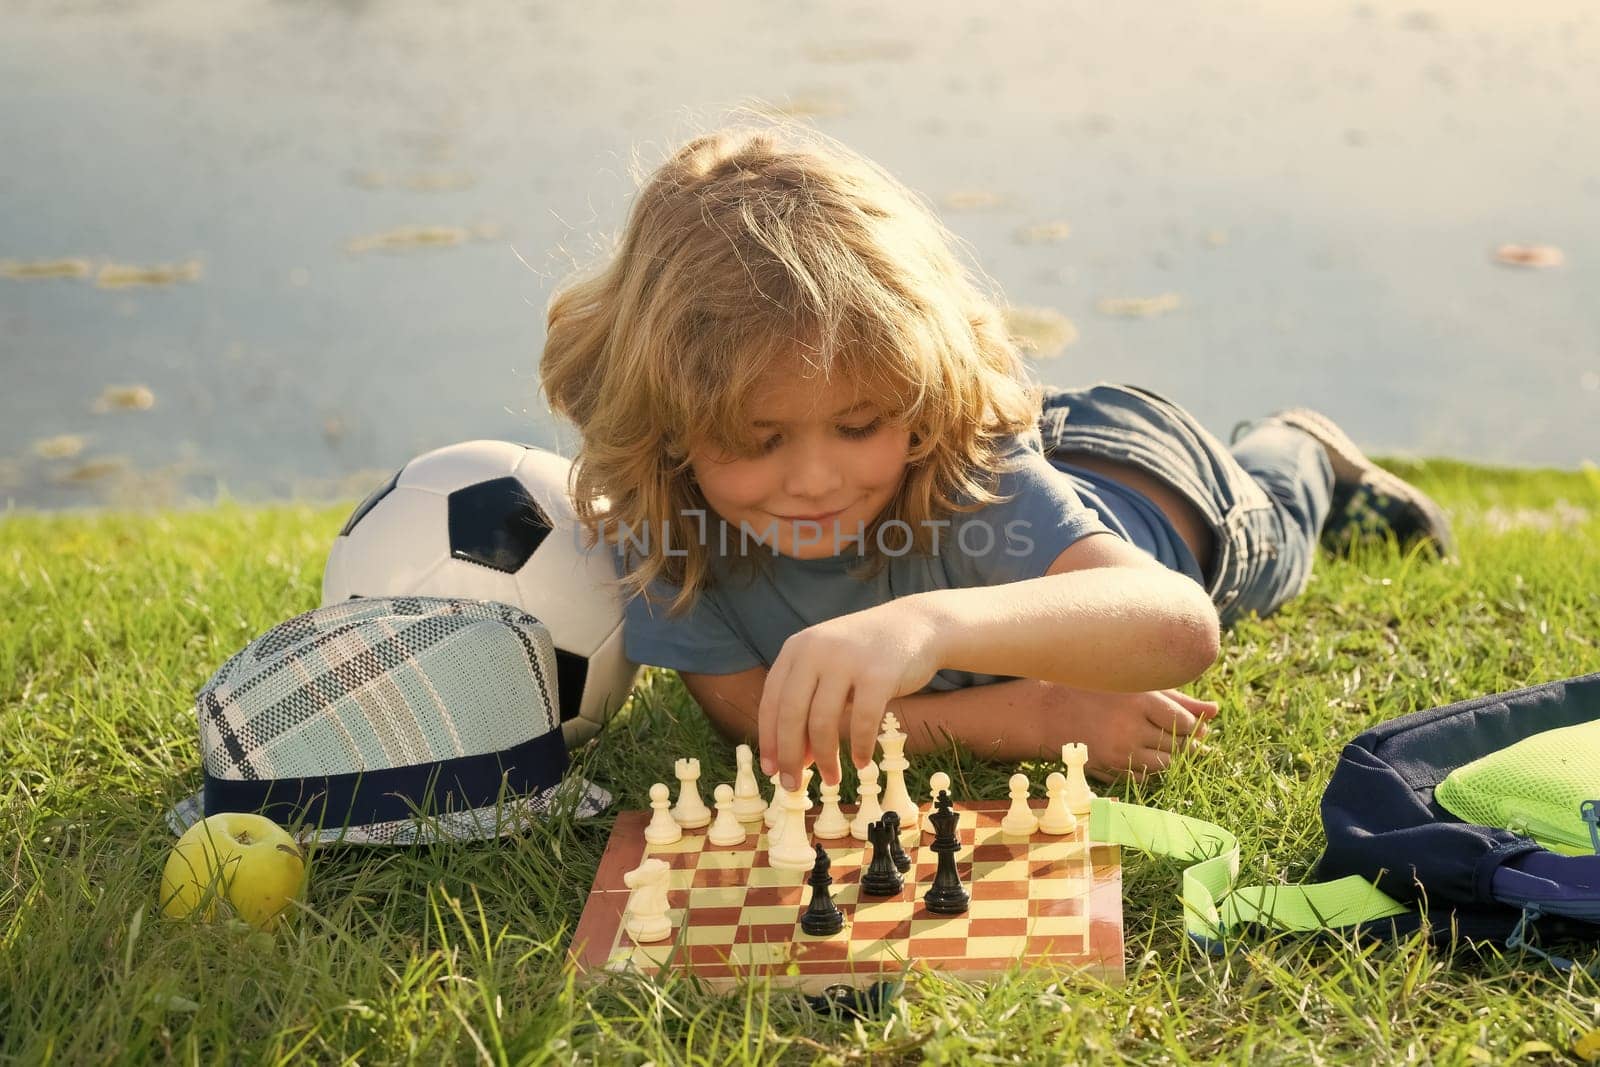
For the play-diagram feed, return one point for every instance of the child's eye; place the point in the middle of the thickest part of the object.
(763, 447)
(858, 432)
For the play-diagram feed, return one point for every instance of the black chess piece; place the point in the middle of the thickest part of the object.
(822, 917)
(880, 879)
(946, 896)
(902, 862)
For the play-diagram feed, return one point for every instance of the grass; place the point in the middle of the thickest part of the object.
(455, 953)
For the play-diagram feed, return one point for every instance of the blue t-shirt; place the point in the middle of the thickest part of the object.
(1133, 517)
(742, 620)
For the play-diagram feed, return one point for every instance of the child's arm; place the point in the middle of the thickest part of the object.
(1103, 617)
(1015, 720)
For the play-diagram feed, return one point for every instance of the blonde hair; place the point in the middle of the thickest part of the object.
(749, 247)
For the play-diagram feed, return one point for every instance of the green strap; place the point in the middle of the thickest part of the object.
(1213, 908)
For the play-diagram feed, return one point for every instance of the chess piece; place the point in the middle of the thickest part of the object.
(727, 830)
(1079, 795)
(747, 803)
(791, 851)
(939, 783)
(1057, 818)
(822, 917)
(881, 879)
(831, 823)
(663, 828)
(895, 798)
(774, 812)
(690, 812)
(1020, 818)
(645, 918)
(867, 811)
(897, 854)
(946, 896)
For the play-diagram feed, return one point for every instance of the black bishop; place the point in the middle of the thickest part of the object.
(822, 917)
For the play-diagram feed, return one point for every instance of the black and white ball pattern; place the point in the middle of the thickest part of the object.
(491, 520)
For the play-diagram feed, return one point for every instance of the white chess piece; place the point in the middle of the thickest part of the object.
(1079, 795)
(780, 813)
(663, 828)
(690, 812)
(774, 812)
(645, 919)
(868, 811)
(805, 791)
(1057, 818)
(894, 763)
(727, 830)
(792, 851)
(831, 823)
(1020, 819)
(939, 781)
(747, 803)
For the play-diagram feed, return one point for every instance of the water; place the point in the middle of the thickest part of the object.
(1321, 184)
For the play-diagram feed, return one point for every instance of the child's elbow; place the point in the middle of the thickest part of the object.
(1196, 634)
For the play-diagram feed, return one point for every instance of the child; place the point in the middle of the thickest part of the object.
(835, 492)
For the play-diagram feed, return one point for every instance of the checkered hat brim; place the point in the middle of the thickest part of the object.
(390, 720)
(576, 796)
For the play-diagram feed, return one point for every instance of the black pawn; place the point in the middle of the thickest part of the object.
(902, 862)
(946, 896)
(822, 918)
(880, 879)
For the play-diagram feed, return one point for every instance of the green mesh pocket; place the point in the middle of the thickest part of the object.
(1536, 787)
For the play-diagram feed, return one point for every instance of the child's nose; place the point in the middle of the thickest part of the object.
(813, 474)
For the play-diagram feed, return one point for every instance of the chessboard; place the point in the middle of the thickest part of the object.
(1035, 899)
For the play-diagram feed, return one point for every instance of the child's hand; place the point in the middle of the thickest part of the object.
(1130, 735)
(848, 667)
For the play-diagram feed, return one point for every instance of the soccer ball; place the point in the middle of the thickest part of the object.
(491, 520)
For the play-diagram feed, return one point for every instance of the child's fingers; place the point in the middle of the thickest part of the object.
(867, 708)
(793, 714)
(767, 716)
(827, 711)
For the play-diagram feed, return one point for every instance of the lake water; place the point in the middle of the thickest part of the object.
(1311, 195)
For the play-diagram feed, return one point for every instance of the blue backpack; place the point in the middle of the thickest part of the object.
(1396, 858)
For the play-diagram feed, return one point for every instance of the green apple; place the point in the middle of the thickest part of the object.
(245, 859)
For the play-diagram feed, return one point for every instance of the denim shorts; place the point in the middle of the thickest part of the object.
(1264, 499)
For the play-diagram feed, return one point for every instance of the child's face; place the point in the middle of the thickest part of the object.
(828, 455)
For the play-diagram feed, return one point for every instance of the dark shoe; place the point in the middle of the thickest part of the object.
(1369, 502)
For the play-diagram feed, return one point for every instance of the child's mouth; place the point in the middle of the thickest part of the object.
(812, 518)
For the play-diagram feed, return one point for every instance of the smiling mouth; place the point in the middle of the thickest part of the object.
(811, 518)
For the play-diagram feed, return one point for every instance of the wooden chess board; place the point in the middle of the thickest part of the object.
(1035, 899)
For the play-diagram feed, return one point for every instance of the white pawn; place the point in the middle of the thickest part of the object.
(1020, 819)
(831, 823)
(792, 849)
(868, 811)
(747, 803)
(727, 830)
(1057, 818)
(663, 828)
(774, 814)
(690, 812)
(939, 782)
(645, 917)
(1079, 795)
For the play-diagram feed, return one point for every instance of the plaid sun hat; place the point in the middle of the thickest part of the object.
(390, 720)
